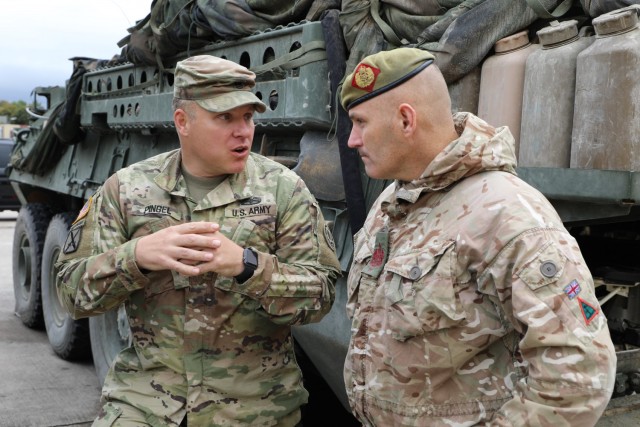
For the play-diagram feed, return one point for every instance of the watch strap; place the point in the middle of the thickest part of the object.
(250, 262)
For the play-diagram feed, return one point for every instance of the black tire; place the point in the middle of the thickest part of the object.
(69, 338)
(110, 334)
(28, 239)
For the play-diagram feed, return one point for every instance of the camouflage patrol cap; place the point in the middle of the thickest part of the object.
(381, 72)
(215, 84)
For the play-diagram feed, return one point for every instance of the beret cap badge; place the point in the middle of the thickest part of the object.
(364, 77)
(381, 72)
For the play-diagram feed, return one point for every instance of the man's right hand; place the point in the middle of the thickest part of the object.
(178, 248)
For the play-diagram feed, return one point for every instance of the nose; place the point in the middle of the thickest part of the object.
(244, 128)
(355, 140)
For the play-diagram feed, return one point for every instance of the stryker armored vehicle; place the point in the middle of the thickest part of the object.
(111, 114)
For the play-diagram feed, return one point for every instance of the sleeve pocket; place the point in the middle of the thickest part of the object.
(544, 268)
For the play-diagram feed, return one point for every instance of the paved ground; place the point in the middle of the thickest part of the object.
(37, 389)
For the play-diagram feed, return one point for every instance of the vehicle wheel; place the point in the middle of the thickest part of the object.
(28, 239)
(69, 338)
(110, 333)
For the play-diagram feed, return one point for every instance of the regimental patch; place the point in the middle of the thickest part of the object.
(589, 312)
(572, 289)
(364, 77)
(73, 239)
(85, 210)
(378, 257)
(380, 253)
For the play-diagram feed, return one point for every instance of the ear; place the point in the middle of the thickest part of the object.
(409, 119)
(181, 120)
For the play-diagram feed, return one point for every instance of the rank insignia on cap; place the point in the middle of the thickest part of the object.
(364, 77)
(572, 289)
(589, 312)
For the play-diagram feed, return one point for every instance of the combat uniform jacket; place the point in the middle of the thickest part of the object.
(207, 346)
(480, 309)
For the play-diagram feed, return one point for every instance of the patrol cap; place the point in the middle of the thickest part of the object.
(381, 72)
(215, 84)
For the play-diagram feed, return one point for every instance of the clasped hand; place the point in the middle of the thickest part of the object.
(190, 249)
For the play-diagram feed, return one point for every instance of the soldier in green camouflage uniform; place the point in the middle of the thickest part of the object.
(471, 303)
(215, 252)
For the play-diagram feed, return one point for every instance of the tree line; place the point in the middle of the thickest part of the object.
(15, 112)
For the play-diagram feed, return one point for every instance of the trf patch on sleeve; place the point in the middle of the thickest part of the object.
(572, 289)
(589, 312)
(73, 239)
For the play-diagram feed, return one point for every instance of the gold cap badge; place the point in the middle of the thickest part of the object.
(365, 77)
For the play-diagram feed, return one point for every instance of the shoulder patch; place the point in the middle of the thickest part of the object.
(328, 236)
(85, 209)
(589, 312)
(73, 238)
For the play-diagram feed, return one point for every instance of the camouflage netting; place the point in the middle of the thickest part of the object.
(174, 26)
(460, 32)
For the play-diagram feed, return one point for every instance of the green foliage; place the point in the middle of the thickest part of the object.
(15, 111)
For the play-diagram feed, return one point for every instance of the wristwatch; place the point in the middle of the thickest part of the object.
(250, 261)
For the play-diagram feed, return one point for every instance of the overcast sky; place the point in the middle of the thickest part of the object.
(37, 38)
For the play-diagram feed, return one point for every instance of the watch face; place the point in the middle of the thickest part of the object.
(250, 258)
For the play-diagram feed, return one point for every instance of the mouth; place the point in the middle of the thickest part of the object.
(241, 150)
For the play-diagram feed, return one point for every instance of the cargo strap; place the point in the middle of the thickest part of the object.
(310, 52)
(386, 29)
(542, 11)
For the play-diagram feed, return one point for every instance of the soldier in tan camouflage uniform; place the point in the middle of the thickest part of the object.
(471, 303)
(215, 252)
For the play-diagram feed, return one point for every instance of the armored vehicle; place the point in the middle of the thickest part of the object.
(113, 113)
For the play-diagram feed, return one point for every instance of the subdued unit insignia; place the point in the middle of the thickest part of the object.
(85, 210)
(328, 235)
(589, 312)
(364, 77)
(380, 253)
(73, 239)
(378, 257)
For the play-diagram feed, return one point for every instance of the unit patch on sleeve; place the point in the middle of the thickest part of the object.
(589, 312)
(73, 239)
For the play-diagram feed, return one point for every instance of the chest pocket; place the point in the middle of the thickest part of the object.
(247, 234)
(161, 281)
(420, 293)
